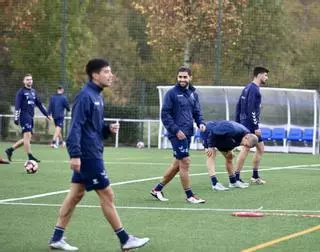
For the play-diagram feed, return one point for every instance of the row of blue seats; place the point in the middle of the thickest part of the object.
(277, 134)
(294, 134)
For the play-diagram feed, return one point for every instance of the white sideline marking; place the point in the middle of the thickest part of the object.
(300, 167)
(117, 163)
(173, 208)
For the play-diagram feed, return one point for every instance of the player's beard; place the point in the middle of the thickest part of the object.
(185, 84)
(28, 85)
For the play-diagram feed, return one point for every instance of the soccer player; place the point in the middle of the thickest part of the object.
(225, 136)
(57, 106)
(180, 108)
(26, 100)
(85, 147)
(248, 114)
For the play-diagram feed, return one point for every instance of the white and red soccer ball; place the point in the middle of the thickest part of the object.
(31, 166)
(140, 145)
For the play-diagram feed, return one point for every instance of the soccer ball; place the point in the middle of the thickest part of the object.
(140, 145)
(31, 166)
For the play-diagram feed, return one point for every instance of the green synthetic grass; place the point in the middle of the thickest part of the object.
(293, 184)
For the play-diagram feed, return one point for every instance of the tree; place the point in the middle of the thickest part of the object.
(267, 39)
(179, 27)
(108, 23)
(35, 44)
(305, 17)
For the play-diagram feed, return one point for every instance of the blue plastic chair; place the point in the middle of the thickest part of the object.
(278, 134)
(307, 135)
(266, 133)
(295, 134)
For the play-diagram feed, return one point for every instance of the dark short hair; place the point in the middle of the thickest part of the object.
(259, 70)
(95, 66)
(184, 69)
(60, 87)
(27, 75)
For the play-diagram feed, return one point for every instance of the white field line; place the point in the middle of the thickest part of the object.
(166, 164)
(119, 163)
(175, 208)
(157, 178)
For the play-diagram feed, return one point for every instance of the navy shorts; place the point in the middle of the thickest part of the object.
(26, 125)
(180, 147)
(204, 137)
(58, 122)
(92, 175)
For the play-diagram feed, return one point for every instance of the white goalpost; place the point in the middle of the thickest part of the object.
(289, 119)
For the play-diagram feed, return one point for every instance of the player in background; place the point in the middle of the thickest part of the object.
(26, 100)
(85, 147)
(180, 108)
(57, 105)
(248, 114)
(225, 136)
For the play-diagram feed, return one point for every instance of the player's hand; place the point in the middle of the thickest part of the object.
(180, 135)
(257, 132)
(114, 128)
(210, 152)
(202, 127)
(16, 122)
(49, 118)
(75, 164)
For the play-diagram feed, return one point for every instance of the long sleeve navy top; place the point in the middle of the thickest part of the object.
(57, 106)
(26, 100)
(87, 129)
(248, 107)
(180, 108)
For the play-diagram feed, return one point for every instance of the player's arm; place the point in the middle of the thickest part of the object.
(167, 113)
(197, 114)
(41, 106)
(238, 110)
(66, 104)
(50, 106)
(253, 108)
(19, 98)
(80, 111)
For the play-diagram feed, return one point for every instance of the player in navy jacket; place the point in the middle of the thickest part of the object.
(180, 108)
(225, 136)
(26, 100)
(57, 106)
(85, 147)
(248, 114)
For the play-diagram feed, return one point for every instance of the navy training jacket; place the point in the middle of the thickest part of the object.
(58, 103)
(26, 100)
(248, 107)
(87, 129)
(180, 107)
(224, 135)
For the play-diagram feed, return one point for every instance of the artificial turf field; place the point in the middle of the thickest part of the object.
(29, 204)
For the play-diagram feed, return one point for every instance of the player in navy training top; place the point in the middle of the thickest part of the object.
(225, 136)
(248, 114)
(57, 106)
(26, 100)
(85, 148)
(181, 107)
